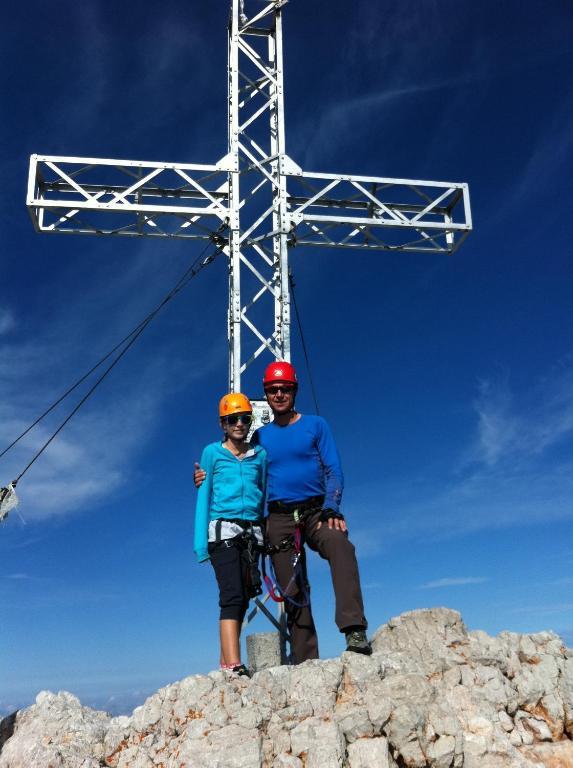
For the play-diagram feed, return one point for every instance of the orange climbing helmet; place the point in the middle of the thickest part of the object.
(280, 371)
(234, 402)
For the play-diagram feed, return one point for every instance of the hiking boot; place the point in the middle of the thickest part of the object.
(241, 670)
(357, 642)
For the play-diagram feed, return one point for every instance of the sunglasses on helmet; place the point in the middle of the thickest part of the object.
(236, 418)
(274, 389)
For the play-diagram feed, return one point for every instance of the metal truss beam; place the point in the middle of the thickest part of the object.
(91, 196)
(363, 212)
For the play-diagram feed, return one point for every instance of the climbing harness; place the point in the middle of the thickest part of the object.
(294, 542)
(8, 498)
(247, 536)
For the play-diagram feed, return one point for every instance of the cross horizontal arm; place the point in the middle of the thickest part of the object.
(376, 212)
(127, 197)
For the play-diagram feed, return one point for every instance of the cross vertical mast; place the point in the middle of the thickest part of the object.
(281, 222)
(257, 146)
(234, 309)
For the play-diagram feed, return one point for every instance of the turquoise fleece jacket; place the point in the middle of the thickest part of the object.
(232, 489)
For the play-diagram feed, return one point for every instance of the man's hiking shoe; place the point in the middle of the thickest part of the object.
(357, 642)
(241, 670)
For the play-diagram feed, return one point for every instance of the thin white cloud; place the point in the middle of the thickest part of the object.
(95, 455)
(517, 471)
(536, 181)
(486, 499)
(366, 541)
(512, 427)
(153, 76)
(496, 426)
(7, 322)
(544, 609)
(548, 157)
(457, 581)
(59, 595)
(18, 576)
(91, 82)
(88, 460)
(337, 123)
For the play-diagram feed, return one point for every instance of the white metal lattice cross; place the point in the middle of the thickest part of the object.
(262, 199)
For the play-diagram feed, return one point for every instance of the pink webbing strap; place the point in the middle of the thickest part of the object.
(271, 590)
(297, 539)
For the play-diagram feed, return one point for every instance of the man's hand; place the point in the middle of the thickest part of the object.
(334, 520)
(198, 475)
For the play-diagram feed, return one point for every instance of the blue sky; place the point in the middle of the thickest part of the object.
(448, 382)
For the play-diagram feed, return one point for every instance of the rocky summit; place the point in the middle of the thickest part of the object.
(431, 695)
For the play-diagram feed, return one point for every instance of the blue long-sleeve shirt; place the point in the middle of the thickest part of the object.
(232, 489)
(302, 461)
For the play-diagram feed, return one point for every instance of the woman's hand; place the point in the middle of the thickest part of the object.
(198, 475)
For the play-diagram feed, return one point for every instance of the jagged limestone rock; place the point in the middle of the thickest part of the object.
(431, 696)
(434, 639)
(365, 753)
(57, 731)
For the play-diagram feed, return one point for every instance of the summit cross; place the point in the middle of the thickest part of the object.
(255, 202)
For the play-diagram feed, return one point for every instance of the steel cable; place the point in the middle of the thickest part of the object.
(191, 272)
(292, 285)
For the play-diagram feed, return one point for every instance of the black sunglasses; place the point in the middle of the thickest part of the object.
(285, 389)
(235, 418)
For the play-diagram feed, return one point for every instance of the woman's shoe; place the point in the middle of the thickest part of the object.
(241, 670)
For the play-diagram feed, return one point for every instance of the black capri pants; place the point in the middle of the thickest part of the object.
(231, 573)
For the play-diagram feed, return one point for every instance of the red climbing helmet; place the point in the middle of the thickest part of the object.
(279, 371)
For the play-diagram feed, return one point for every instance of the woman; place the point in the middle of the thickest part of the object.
(228, 521)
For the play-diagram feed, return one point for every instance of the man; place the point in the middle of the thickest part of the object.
(304, 491)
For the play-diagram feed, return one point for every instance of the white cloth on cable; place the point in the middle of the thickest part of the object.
(8, 500)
